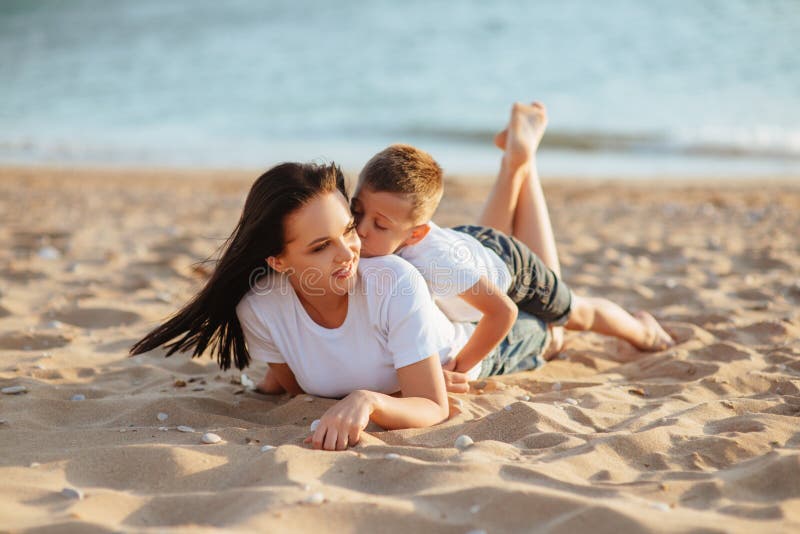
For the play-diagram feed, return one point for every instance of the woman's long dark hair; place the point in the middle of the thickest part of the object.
(210, 317)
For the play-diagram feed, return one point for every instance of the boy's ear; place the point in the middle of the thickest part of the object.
(418, 233)
(276, 264)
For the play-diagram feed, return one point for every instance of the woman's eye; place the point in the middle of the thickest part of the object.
(320, 248)
(351, 228)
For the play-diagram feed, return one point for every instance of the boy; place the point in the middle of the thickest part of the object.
(477, 273)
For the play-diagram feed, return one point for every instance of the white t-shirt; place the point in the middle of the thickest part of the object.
(452, 262)
(391, 322)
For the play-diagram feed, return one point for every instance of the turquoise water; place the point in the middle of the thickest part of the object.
(631, 87)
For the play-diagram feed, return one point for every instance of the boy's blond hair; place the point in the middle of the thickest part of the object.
(409, 171)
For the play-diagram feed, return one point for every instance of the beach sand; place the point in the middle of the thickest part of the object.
(702, 437)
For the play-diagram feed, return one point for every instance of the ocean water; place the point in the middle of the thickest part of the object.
(632, 88)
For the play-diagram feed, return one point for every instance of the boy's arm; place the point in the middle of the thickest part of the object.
(499, 314)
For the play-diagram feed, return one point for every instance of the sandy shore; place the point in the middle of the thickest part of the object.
(704, 436)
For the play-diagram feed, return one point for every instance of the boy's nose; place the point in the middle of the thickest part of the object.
(361, 229)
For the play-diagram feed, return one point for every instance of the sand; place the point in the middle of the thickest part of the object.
(702, 437)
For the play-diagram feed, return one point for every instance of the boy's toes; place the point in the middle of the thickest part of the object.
(500, 139)
(657, 338)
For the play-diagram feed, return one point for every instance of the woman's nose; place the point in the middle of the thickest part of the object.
(345, 251)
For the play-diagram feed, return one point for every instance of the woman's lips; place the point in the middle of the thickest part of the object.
(345, 272)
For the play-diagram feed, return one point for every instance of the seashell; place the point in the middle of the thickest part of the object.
(508, 407)
(315, 424)
(72, 493)
(48, 253)
(162, 416)
(247, 382)
(570, 400)
(78, 397)
(475, 508)
(210, 438)
(14, 390)
(315, 498)
(557, 386)
(183, 428)
(463, 442)
(266, 448)
(392, 456)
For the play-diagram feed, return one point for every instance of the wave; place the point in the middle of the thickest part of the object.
(760, 142)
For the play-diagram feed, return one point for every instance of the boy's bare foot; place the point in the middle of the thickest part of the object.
(656, 338)
(536, 117)
(556, 342)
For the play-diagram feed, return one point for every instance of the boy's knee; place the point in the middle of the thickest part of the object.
(581, 315)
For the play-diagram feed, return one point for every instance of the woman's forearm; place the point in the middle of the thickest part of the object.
(394, 413)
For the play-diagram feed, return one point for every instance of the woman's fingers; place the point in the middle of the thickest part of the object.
(355, 436)
(330, 439)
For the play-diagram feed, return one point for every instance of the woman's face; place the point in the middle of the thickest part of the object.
(322, 247)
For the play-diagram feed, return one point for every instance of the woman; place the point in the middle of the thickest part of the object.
(290, 289)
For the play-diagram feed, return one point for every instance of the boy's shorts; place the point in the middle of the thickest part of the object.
(535, 288)
(521, 350)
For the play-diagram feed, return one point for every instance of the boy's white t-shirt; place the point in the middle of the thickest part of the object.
(391, 322)
(451, 263)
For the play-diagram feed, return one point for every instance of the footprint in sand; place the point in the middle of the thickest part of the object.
(97, 317)
(31, 341)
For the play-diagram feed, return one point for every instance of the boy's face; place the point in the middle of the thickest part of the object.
(383, 221)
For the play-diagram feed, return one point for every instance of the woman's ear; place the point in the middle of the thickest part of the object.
(276, 264)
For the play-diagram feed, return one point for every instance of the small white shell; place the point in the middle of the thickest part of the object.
(210, 438)
(664, 507)
(266, 448)
(525, 398)
(571, 401)
(14, 390)
(392, 456)
(162, 416)
(557, 386)
(308, 398)
(315, 498)
(463, 442)
(508, 408)
(475, 508)
(315, 424)
(34, 464)
(72, 493)
(48, 253)
(247, 382)
(183, 428)
(78, 397)
(163, 428)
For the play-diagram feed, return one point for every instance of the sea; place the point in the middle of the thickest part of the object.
(633, 88)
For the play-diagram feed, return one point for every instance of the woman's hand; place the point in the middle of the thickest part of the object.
(342, 424)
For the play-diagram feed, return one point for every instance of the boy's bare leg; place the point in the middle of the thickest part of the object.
(605, 317)
(517, 201)
(498, 212)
